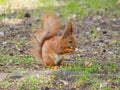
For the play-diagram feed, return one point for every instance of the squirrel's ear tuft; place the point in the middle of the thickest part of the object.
(68, 29)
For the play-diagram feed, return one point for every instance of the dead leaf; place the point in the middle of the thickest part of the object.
(87, 64)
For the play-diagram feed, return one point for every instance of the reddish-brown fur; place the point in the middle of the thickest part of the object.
(46, 47)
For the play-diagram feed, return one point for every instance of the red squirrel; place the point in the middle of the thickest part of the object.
(47, 48)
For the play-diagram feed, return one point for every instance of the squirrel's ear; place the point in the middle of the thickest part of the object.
(68, 30)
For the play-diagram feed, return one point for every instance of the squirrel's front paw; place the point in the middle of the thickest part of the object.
(54, 67)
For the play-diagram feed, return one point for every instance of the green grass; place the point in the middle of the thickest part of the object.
(27, 83)
(30, 83)
(2, 17)
(93, 35)
(118, 43)
(94, 68)
(80, 8)
(15, 59)
(79, 67)
(2, 1)
(4, 84)
(89, 75)
(83, 7)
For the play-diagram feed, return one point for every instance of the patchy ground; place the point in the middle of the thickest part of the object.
(98, 43)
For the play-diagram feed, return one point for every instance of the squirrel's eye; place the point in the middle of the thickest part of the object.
(70, 41)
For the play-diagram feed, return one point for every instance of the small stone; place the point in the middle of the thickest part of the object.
(93, 44)
(5, 42)
(73, 89)
(114, 19)
(95, 37)
(98, 28)
(27, 15)
(103, 84)
(87, 33)
(101, 41)
(2, 34)
(104, 50)
(10, 28)
(76, 49)
(104, 32)
(14, 75)
(99, 17)
(11, 54)
(110, 52)
(64, 82)
(45, 88)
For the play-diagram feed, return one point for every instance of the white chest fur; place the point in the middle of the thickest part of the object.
(57, 58)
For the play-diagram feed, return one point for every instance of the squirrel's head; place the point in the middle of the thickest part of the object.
(68, 38)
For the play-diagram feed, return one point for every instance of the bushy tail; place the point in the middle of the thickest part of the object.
(50, 27)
